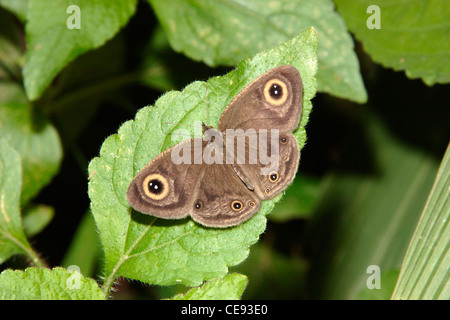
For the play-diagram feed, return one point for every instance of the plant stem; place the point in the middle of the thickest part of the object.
(28, 250)
(106, 288)
(36, 259)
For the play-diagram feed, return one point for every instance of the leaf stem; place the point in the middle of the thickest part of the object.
(36, 260)
(106, 288)
(107, 284)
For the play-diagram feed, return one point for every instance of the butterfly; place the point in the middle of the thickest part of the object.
(221, 178)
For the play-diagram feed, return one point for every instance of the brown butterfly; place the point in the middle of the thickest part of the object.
(223, 183)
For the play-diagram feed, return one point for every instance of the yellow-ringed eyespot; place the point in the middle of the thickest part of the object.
(275, 92)
(251, 203)
(283, 140)
(274, 176)
(267, 191)
(237, 205)
(198, 205)
(155, 186)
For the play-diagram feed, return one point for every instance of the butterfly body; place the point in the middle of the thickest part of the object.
(251, 157)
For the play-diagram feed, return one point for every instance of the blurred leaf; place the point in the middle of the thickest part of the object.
(84, 249)
(425, 272)
(155, 73)
(299, 200)
(160, 68)
(226, 32)
(229, 287)
(414, 35)
(30, 133)
(12, 237)
(266, 267)
(36, 218)
(387, 285)
(11, 56)
(46, 284)
(368, 218)
(51, 45)
(18, 7)
(77, 95)
(166, 252)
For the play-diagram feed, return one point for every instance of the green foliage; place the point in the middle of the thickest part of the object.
(299, 200)
(424, 273)
(36, 218)
(413, 35)
(45, 284)
(51, 45)
(33, 136)
(270, 268)
(388, 280)
(12, 237)
(364, 178)
(380, 213)
(227, 32)
(229, 287)
(84, 249)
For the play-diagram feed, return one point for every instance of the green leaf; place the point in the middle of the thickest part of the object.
(157, 63)
(51, 45)
(84, 250)
(160, 65)
(229, 287)
(387, 284)
(270, 267)
(299, 201)
(11, 56)
(226, 32)
(45, 284)
(33, 136)
(166, 252)
(425, 271)
(36, 218)
(414, 35)
(368, 218)
(12, 237)
(18, 7)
